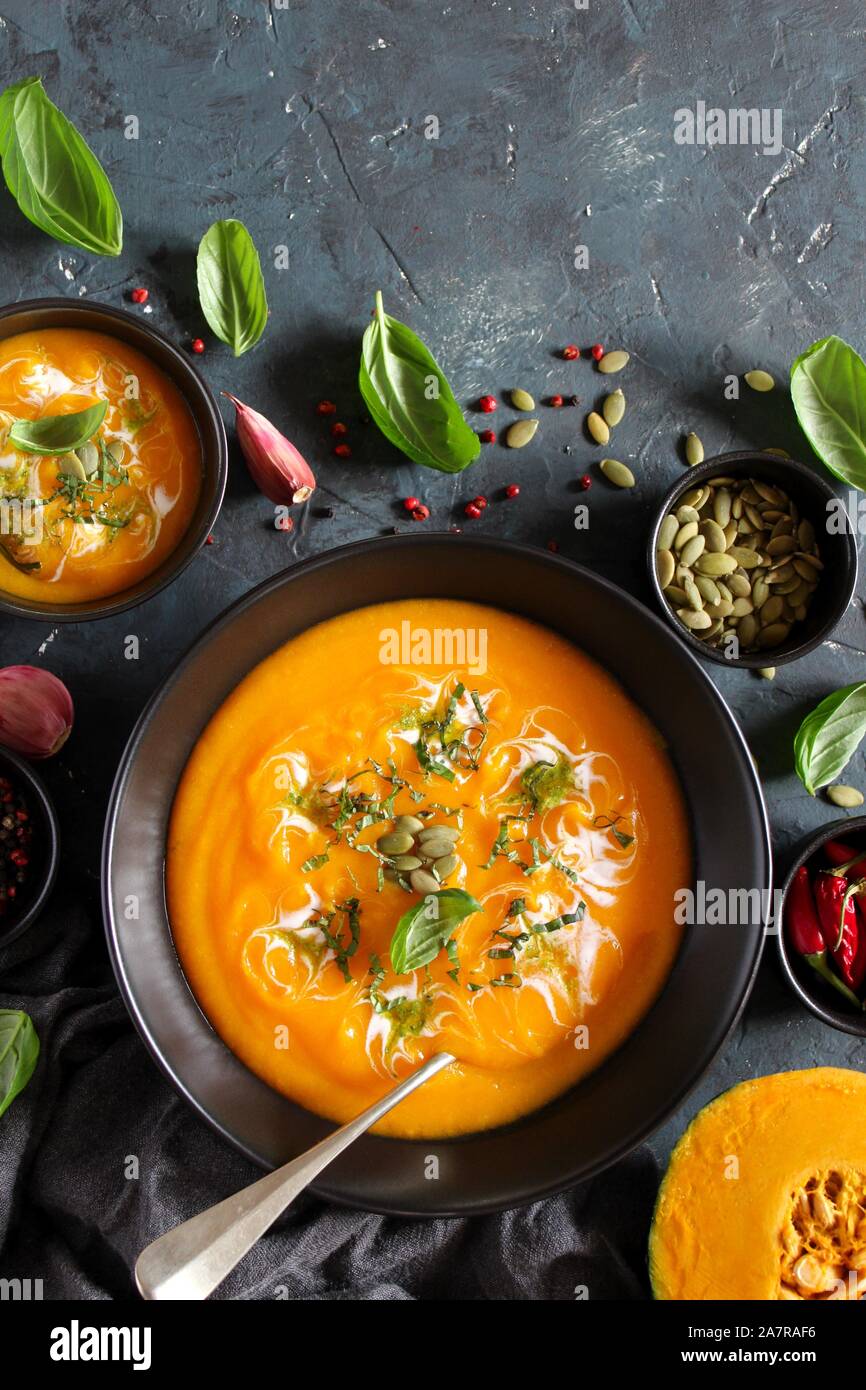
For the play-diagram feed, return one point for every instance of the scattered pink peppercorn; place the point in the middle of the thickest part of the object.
(197, 345)
(553, 546)
(410, 503)
(487, 404)
(597, 351)
(513, 490)
(209, 540)
(586, 482)
(140, 296)
(326, 408)
(570, 352)
(472, 510)
(555, 401)
(338, 429)
(480, 501)
(420, 513)
(487, 436)
(343, 451)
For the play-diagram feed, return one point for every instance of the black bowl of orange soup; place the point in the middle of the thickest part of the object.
(430, 794)
(113, 460)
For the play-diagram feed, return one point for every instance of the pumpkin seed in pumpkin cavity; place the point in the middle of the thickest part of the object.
(694, 450)
(665, 566)
(519, 434)
(521, 400)
(613, 408)
(597, 428)
(617, 473)
(613, 361)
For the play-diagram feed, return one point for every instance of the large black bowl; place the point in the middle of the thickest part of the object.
(33, 314)
(600, 1119)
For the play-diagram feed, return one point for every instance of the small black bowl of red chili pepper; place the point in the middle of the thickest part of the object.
(29, 846)
(822, 943)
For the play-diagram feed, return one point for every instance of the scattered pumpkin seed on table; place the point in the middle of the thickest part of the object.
(759, 381)
(613, 361)
(846, 797)
(739, 552)
(694, 450)
(597, 428)
(617, 473)
(520, 433)
(613, 408)
(521, 400)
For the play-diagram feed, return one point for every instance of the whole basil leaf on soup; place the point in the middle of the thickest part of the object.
(19, 1053)
(53, 175)
(409, 398)
(829, 737)
(421, 932)
(57, 434)
(828, 389)
(231, 287)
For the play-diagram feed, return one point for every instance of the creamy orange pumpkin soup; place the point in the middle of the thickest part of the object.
(94, 501)
(424, 826)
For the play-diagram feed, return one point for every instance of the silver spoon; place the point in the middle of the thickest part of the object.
(188, 1262)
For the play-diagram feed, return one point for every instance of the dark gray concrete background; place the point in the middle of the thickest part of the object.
(555, 129)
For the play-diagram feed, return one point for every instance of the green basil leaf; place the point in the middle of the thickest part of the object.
(828, 388)
(53, 175)
(829, 736)
(19, 1051)
(408, 397)
(58, 434)
(421, 932)
(231, 287)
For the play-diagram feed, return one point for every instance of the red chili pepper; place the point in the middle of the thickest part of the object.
(839, 853)
(840, 927)
(803, 930)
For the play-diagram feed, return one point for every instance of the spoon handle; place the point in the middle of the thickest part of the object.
(187, 1263)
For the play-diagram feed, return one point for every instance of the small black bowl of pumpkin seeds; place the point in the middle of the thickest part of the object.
(752, 559)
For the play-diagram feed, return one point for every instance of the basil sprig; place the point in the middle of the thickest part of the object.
(231, 287)
(828, 389)
(829, 736)
(53, 175)
(408, 397)
(421, 932)
(19, 1052)
(58, 434)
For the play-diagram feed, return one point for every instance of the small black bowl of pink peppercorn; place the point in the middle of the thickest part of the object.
(29, 846)
(822, 941)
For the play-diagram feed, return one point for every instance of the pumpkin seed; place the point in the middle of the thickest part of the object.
(675, 595)
(692, 549)
(685, 533)
(759, 381)
(70, 466)
(438, 832)
(710, 591)
(695, 621)
(747, 559)
(694, 450)
(782, 454)
(89, 456)
(713, 535)
(846, 797)
(395, 842)
(722, 609)
(445, 867)
(769, 493)
(519, 434)
(767, 673)
(715, 564)
(613, 408)
(437, 846)
(760, 592)
(772, 610)
(806, 534)
(405, 863)
(774, 634)
(781, 545)
(422, 881)
(667, 531)
(730, 532)
(722, 507)
(412, 824)
(597, 427)
(116, 450)
(742, 606)
(613, 361)
(617, 473)
(694, 598)
(747, 630)
(665, 566)
(697, 497)
(521, 400)
(685, 514)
